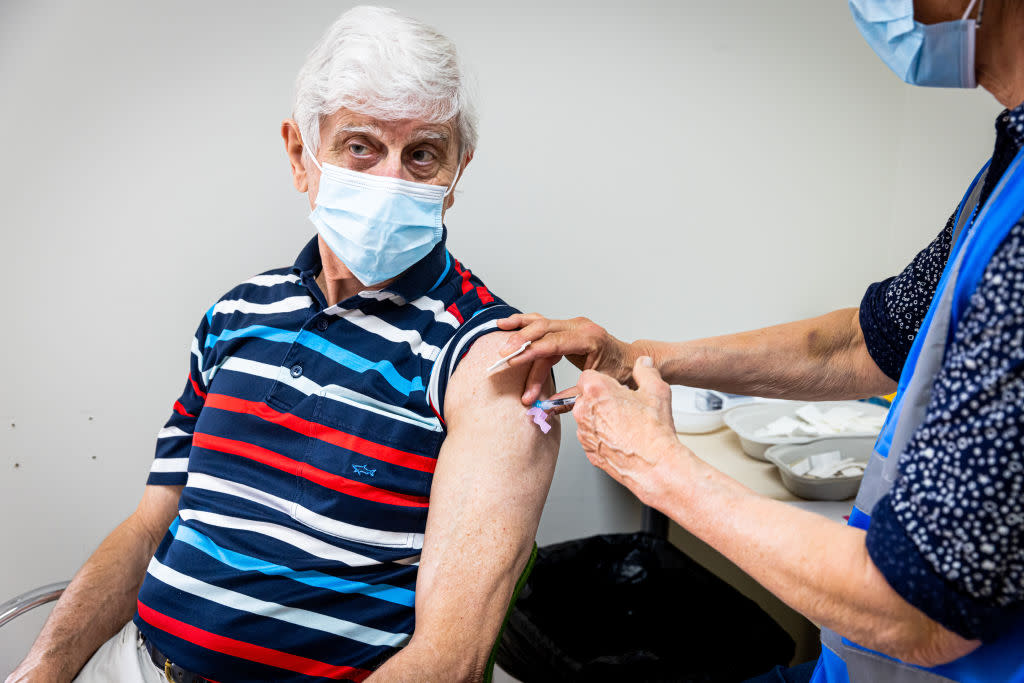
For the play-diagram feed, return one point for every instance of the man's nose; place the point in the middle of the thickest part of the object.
(391, 166)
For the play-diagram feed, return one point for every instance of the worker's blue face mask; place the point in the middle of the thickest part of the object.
(939, 55)
(377, 226)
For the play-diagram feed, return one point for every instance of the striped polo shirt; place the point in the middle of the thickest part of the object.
(306, 439)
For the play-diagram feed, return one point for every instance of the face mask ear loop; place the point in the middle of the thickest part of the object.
(309, 153)
(970, 7)
(458, 173)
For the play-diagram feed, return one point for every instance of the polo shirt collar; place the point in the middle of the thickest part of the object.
(419, 279)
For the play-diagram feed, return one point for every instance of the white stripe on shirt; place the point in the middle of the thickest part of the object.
(168, 432)
(270, 280)
(332, 391)
(169, 465)
(306, 543)
(334, 527)
(274, 610)
(381, 328)
(286, 305)
(441, 314)
(382, 295)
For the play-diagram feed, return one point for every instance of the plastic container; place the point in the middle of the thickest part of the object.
(746, 420)
(858, 448)
(690, 419)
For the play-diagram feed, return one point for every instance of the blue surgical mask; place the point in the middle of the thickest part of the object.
(377, 226)
(938, 55)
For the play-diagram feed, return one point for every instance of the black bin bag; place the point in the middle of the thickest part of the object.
(630, 608)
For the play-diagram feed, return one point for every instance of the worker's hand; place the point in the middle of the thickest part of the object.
(586, 344)
(628, 433)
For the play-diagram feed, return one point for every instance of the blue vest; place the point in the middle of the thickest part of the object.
(975, 240)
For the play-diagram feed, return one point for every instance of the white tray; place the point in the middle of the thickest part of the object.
(746, 420)
(858, 448)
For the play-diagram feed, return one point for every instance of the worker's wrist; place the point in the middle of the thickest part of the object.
(658, 488)
(637, 349)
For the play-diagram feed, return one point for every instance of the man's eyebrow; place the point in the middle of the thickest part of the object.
(365, 130)
(439, 135)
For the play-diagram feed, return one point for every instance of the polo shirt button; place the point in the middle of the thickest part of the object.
(321, 325)
(297, 370)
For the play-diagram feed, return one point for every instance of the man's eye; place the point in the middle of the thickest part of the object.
(422, 156)
(359, 150)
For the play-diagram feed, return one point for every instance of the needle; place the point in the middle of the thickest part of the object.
(555, 402)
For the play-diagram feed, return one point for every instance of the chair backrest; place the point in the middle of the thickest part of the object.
(17, 606)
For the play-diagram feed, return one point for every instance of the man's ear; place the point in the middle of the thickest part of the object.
(294, 148)
(450, 199)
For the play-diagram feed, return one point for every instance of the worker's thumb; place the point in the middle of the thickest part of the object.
(648, 379)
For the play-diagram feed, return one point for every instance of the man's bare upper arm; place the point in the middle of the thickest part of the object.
(156, 511)
(488, 492)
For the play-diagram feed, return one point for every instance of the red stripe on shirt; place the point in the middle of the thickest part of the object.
(431, 404)
(178, 408)
(356, 444)
(467, 286)
(454, 310)
(195, 387)
(248, 651)
(485, 296)
(334, 482)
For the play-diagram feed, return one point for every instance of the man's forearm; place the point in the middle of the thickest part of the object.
(101, 598)
(816, 359)
(486, 498)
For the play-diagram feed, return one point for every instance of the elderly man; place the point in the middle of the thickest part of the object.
(341, 487)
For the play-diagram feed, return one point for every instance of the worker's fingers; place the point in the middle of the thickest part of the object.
(551, 347)
(648, 380)
(539, 373)
(653, 390)
(594, 385)
(514, 322)
(532, 327)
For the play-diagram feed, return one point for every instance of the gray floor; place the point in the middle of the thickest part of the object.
(501, 677)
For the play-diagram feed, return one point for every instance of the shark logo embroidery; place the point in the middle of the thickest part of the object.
(363, 469)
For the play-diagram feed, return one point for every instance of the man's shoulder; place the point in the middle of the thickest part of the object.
(470, 310)
(463, 295)
(279, 290)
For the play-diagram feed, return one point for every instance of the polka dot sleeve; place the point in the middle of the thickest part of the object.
(892, 311)
(949, 537)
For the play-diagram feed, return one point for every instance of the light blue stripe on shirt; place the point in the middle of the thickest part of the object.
(356, 362)
(399, 596)
(260, 331)
(316, 343)
(447, 266)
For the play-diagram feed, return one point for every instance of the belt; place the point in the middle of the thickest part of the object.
(173, 672)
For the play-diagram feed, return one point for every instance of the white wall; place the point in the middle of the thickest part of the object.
(669, 169)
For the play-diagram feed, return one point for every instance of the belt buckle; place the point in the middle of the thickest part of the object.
(167, 670)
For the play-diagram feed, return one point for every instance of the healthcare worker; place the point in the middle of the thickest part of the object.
(926, 583)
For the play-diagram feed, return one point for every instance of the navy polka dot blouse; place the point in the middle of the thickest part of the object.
(949, 537)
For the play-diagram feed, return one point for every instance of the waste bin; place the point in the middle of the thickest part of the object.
(633, 607)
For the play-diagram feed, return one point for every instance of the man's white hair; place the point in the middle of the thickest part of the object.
(377, 62)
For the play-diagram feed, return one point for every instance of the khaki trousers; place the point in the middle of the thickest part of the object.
(122, 659)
